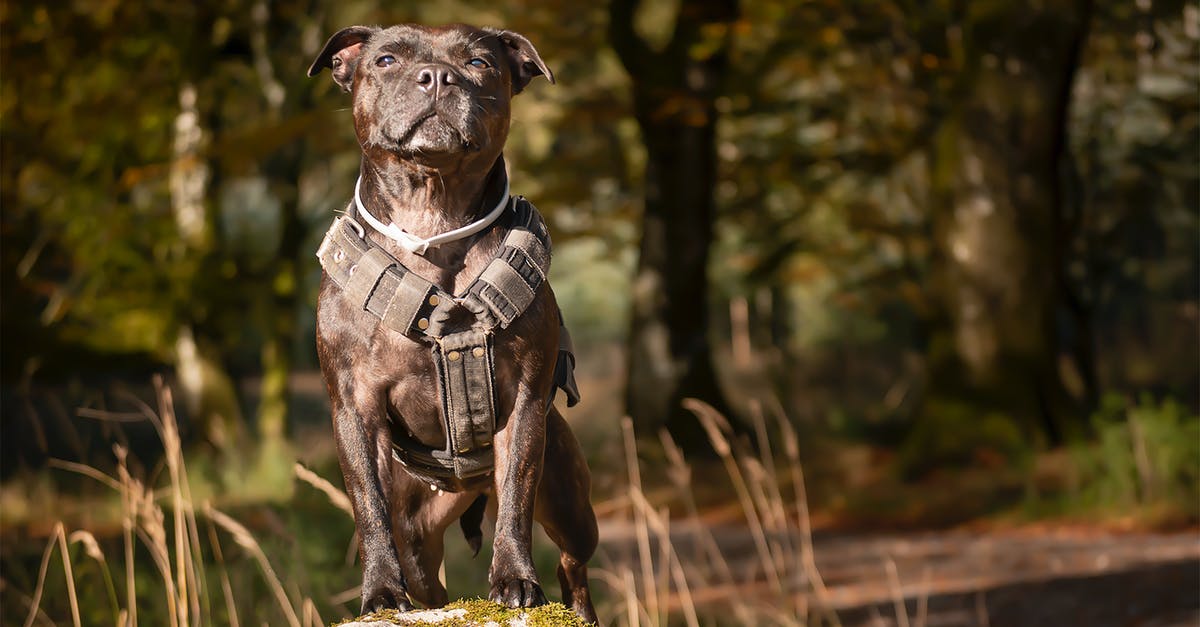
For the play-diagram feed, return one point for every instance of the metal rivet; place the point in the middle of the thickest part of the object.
(478, 352)
(434, 300)
(453, 355)
(353, 268)
(423, 324)
(339, 255)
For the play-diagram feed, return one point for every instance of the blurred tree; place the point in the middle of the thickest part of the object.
(828, 130)
(140, 236)
(1134, 250)
(202, 303)
(120, 210)
(674, 101)
(208, 391)
(277, 32)
(822, 191)
(996, 209)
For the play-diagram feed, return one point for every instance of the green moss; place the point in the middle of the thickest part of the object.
(553, 615)
(550, 615)
(482, 611)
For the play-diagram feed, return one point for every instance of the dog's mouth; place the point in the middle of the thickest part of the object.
(433, 132)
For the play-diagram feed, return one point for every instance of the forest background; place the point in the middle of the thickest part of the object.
(954, 246)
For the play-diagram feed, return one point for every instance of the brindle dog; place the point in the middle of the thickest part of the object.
(431, 113)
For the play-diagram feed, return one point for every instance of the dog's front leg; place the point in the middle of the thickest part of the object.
(519, 451)
(364, 452)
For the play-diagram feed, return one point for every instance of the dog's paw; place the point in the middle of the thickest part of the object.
(384, 599)
(516, 593)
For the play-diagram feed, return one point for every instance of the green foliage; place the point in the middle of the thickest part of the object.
(1144, 453)
(592, 289)
(955, 433)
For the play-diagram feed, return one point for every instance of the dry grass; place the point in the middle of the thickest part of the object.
(657, 583)
(775, 583)
(164, 522)
(780, 586)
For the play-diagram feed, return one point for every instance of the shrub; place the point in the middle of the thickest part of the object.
(1143, 453)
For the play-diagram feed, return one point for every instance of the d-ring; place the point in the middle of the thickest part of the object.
(362, 234)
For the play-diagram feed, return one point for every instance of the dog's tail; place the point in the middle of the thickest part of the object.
(471, 521)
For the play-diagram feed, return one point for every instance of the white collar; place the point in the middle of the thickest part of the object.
(419, 245)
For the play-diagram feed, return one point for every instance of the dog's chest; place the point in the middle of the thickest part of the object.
(394, 373)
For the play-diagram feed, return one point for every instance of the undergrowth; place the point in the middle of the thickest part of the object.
(1144, 453)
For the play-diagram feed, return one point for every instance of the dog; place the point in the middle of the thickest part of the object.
(431, 110)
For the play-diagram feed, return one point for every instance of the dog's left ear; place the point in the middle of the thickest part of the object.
(341, 54)
(523, 59)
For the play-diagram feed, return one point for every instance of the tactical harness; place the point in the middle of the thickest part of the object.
(407, 303)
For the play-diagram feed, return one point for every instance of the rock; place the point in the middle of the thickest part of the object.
(416, 617)
(471, 613)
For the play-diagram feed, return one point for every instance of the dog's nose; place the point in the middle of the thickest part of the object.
(432, 77)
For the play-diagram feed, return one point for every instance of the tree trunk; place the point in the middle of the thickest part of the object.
(674, 93)
(282, 304)
(283, 171)
(995, 170)
(209, 394)
(274, 400)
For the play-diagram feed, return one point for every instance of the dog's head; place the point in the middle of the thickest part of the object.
(434, 96)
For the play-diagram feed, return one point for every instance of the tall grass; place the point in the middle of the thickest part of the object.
(657, 583)
(781, 586)
(163, 522)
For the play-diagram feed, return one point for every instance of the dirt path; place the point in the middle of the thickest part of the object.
(1017, 578)
(996, 578)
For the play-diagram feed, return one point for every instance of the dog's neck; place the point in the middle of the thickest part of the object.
(419, 201)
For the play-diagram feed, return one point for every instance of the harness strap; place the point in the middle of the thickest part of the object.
(411, 298)
(464, 365)
(511, 281)
(564, 366)
(400, 298)
(438, 467)
(366, 274)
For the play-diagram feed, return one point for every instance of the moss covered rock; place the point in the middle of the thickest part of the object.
(471, 613)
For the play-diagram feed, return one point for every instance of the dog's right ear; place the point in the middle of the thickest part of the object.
(341, 54)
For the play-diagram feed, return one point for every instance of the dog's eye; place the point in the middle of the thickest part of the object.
(385, 60)
(478, 63)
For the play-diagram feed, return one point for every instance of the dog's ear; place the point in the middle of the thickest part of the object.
(523, 59)
(341, 54)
